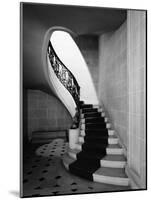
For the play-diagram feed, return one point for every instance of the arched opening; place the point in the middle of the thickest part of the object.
(69, 53)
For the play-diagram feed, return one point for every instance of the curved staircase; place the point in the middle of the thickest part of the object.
(98, 156)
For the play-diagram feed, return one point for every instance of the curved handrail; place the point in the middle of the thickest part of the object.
(64, 75)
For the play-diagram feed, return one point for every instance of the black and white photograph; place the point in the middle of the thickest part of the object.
(83, 94)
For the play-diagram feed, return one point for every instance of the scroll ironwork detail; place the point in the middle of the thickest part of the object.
(64, 75)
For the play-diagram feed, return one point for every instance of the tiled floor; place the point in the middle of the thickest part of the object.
(44, 173)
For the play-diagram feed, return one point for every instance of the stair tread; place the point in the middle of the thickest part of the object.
(96, 117)
(114, 172)
(91, 113)
(76, 151)
(89, 123)
(67, 159)
(109, 146)
(100, 136)
(114, 158)
(97, 130)
(90, 109)
(114, 146)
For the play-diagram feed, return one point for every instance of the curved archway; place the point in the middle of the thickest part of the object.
(46, 40)
(69, 53)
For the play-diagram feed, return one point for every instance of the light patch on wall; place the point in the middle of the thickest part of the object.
(70, 55)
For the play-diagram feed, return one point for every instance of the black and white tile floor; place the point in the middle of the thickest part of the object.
(44, 173)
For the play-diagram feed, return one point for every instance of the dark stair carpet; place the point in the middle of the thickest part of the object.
(94, 119)
(93, 114)
(86, 106)
(95, 126)
(94, 133)
(89, 110)
(95, 144)
(84, 168)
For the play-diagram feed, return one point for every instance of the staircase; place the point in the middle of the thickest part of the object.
(98, 156)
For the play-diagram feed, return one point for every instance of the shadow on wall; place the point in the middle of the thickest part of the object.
(70, 55)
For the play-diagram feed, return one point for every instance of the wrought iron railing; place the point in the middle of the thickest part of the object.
(64, 75)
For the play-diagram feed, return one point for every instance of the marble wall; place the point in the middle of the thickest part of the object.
(137, 95)
(112, 89)
(122, 88)
(44, 113)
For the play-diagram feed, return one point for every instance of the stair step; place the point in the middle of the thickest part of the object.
(86, 106)
(111, 139)
(113, 161)
(113, 149)
(100, 109)
(88, 110)
(116, 176)
(73, 153)
(81, 102)
(91, 114)
(96, 106)
(92, 155)
(93, 120)
(97, 132)
(93, 126)
(67, 160)
(96, 126)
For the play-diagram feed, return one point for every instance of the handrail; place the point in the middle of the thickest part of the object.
(64, 75)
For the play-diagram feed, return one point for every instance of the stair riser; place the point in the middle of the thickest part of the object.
(112, 164)
(72, 155)
(83, 126)
(110, 140)
(86, 106)
(84, 111)
(96, 106)
(114, 151)
(110, 133)
(100, 110)
(111, 180)
(87, 110)
(93, 121)
(109, 151)
(88, 115)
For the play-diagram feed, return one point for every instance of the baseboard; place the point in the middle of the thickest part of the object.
(134, 179)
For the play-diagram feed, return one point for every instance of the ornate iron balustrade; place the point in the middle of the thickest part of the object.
(65, 76)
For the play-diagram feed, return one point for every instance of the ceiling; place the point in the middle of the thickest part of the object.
(38, 18)
(80, 19)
